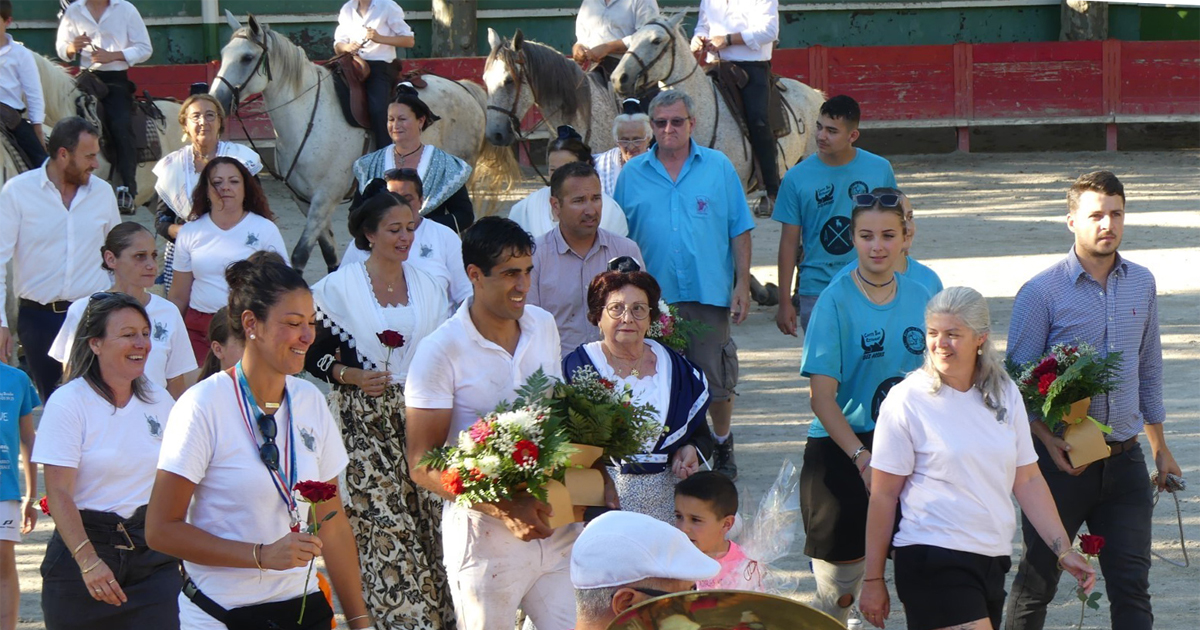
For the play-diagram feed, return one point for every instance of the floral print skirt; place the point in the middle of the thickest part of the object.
(397, 524)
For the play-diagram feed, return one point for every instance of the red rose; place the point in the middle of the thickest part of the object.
(607, 383)
(1091, 545)
(391, 338)
(1045, 382)
(45, 505)
(1049, 365)
(316, 491)
(526, 452)
(452, 481)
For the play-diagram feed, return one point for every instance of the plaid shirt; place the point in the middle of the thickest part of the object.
(1064, 304)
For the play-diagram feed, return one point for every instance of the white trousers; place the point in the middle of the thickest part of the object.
(492, 573)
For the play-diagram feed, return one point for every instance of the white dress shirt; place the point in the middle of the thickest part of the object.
(756, 20)
(20, 85)
(55, 250)
(603, 21)
(120, 28)
(385, 16)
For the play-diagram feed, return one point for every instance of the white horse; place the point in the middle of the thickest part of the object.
(522, 73)
(60, 93)
(315, 147)
(659, 53)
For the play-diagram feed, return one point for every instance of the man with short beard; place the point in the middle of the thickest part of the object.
(54, 221)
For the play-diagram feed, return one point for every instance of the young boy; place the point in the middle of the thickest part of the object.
(705, 509)
(21, 91)
(17, 400)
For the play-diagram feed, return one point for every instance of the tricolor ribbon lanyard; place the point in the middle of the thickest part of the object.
(249, 407)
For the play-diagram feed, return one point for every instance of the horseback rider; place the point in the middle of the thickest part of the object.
(21, 91)
(109, 36)
(373, 29)
(743, 33)
(603, 29)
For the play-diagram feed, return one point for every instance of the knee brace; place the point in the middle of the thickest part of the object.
(837, 587)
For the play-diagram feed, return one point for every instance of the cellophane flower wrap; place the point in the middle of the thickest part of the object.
(767, 535)
(671, 330)
(1065, 375)
(598, 412)
(517, 448)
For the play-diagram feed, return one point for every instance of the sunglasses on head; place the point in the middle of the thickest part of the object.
(96, 298)
(885, 200)
(393, 173)
(624, 264)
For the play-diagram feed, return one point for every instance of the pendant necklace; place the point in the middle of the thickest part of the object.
(402, 160)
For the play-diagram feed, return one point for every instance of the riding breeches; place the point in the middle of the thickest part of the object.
(118, 112)
(755, 98)
(379, 85)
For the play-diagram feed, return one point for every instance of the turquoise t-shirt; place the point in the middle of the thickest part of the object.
(866, 347)
(924, 276)
(819, 198)
(17, 398)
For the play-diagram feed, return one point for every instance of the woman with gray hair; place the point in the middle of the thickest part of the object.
(631, 129)
(953, 443)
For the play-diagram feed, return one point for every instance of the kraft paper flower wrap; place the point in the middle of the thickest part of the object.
(1058, 388)
(314, 492)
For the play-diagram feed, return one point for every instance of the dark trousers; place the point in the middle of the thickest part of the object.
(118, 110)
(379, 87)
(27, 139)
(755, 97)
(37, 329)
(1115, 499)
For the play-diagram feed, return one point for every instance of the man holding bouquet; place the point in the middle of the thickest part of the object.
(1095, 296)
(503, 555)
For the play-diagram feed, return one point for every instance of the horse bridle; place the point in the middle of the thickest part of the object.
(263, 60)
(511, 112)
(646, 66)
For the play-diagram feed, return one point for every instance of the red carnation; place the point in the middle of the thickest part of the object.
(525, 452)
(390, 338)
(1091, 545)
(316, 491)
(607, 383)
(45, 505)
(452, 481)
(1049, 365)
(1045, 382)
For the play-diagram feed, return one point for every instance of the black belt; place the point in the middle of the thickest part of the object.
(202, 601)
(109, 528)
(1116, 448)
(60, 306)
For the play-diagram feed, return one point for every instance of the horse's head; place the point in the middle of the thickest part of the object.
(245, 63)
(509, 94)
(651, 56)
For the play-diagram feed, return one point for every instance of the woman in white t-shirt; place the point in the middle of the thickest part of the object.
(397, 524)
(230, 220)
(952, 444)
(533, 213)
(130, 255)
(98, 441)
(237, 445)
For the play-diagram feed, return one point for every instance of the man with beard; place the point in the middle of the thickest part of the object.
(55, 219)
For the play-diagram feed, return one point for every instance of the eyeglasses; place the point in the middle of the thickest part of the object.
(652, 592)
(624, 264)
(269, 451)
(394, 173)
(867, 200)
(661, 123)
(632, 142)
(617, 310)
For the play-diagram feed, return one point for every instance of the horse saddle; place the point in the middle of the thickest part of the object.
(145, 118)
(350, 72)
(730, 80)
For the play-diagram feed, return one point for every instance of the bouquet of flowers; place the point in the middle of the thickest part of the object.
(1066, 375)
(519, 447)
(671, 330)
(594, 411)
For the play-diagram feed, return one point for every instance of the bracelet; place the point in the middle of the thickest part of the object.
(366, 616)
(878, 579)
(79, 546)
(341, 377)
(1064, 554)
(97, 563)
(256, 553)
(857, 454)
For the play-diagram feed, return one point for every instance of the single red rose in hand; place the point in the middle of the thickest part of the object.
(525, 452)
(452, 481)
(1090, 544)
(391, 338)
(1045, 382)
(44, 503)
(316, 491)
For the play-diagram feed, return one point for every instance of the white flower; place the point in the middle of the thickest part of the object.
(522, 420)
(489, 464)
(465, 443)
(664, 307)
(470, 462)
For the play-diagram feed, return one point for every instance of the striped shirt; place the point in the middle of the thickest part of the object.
(1064, 304)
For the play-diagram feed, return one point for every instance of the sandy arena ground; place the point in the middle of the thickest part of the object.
(987, 221)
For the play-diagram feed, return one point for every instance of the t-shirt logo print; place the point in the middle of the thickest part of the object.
(160, 331)
(310, 441)
(872, 343)
(857, 188)
(836, 237)
(155, 426)
(251, 239)
(702, 206)
(824, 196)
(914, 340)
(881, 393)
(426, 251)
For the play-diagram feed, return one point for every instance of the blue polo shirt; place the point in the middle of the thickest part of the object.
(17, 398)
(916, 271)
(684, 226)
(819, 198)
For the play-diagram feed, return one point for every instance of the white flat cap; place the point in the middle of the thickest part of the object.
(620, 548)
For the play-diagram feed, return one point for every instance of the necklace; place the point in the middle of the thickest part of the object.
(877, 286)
(402, 160)
(389, 285)
(859, 281)
(632, 369)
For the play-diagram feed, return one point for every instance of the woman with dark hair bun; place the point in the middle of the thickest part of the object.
(396, 523)
(623, 304)
(236, 447)
(130, 255)
(224, 349)
(533, 212)
(99, 442)
(230, 221)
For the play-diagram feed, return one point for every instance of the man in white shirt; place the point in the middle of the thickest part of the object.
(21, 92)
(109, 36)
(373, 29)
(603, 29)
(499, 556)
(55, 219)
(743, 32)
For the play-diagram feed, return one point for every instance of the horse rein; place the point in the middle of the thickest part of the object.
(518, 60)
(666, 83)
(263, 59)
